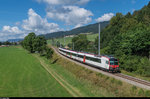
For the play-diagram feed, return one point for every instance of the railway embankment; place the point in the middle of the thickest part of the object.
(99, 81)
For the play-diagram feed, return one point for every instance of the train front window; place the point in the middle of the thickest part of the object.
(113, 62)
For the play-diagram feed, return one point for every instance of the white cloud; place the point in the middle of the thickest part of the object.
(105, 17)
(68, 11)
(36, 24)
(14, 30)
(9, 32)
(64, 2)
(71, 15)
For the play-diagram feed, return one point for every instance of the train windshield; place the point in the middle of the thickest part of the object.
(113, 61)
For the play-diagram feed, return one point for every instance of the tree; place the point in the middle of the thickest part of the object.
(80, 42)
(7, 43)
(58, 44)
(39, 44)
(28, 42)
(128, 15)
(49, 53)
(70, 45)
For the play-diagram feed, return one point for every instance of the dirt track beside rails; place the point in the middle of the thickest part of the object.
(132, 80)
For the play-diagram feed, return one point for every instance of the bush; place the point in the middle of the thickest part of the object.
(49, 53)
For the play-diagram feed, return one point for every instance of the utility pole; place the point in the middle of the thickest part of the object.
(99, 40)
(64, 41)
(73, 46)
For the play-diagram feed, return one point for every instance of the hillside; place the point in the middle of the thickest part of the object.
(128, 38)
(90, 37)
(85, 29)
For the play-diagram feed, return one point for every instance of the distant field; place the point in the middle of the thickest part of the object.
(91, 37)
(21, 75)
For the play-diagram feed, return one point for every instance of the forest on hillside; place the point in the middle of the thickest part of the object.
(127, 37)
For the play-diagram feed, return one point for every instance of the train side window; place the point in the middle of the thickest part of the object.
(73, 54)
(100, 60)
(107, 62)
(94, 59)
(80, 56)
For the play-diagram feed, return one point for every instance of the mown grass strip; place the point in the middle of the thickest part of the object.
(65, 84)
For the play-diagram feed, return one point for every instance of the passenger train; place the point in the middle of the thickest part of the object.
(104, 62)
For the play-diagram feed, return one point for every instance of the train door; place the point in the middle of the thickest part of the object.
(84, 57)
(102, 63)
(107, 64)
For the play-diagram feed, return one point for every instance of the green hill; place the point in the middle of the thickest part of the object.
(91, 37)
(92, 28)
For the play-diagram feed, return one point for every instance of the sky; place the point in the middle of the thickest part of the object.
(20, 17)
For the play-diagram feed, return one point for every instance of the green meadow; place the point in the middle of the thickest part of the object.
(28, 75)
(21, 75)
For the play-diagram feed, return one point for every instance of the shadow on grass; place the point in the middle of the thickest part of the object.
(54, 61)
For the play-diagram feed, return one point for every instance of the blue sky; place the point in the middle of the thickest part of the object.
(20, 17)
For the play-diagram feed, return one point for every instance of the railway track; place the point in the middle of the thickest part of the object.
(129, 79)
(133, 79)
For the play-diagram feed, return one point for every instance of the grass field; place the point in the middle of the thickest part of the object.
(91, 37)
(21, 75)
(29, 75)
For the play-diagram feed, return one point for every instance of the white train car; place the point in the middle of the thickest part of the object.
(103, 62)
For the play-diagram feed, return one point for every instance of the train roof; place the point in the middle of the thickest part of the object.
(86, 53)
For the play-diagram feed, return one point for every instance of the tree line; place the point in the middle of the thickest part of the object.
(8, 43)
(37, 44)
